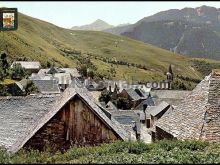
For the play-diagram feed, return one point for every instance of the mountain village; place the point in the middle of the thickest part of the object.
(145, 91)
(69, 109)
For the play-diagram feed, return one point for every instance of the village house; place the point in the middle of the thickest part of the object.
(91, 85)
(61, 76)
(136, 97)
(29, 66)
(197, 117)
(58, 121)
(132, 96)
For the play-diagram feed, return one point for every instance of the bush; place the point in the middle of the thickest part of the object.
(165, 151)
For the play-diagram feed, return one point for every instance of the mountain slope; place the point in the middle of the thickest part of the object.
(173, 30)
(39, 40)
(98, 25)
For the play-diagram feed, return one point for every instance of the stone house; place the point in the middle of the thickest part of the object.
(62, 76)
(130, 94)
(58, 121)
(197, 117)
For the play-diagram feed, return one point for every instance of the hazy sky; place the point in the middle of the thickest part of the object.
(68, 14)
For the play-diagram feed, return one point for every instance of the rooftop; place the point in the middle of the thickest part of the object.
(28, 64)
(197, 117)
(22, 117)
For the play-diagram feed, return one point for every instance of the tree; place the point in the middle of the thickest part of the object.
(48, 64)
(91, 74)
(31, 88)
(170, 70)
(1, 74)
(4, 63)
(105, 96)
(18, 72)
(83, 70)
(122, 103)
(3, 90)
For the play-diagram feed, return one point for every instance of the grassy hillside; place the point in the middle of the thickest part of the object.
(39, 40)
(168, 152)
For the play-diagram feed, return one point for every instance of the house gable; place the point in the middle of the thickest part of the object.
(51, 111)
(76, 123)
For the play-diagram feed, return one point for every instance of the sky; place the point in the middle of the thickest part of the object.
(67, 14)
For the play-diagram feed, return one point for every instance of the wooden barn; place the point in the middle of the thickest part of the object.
(57, 121)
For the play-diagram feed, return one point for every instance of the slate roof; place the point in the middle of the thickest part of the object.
(19, 115)
(28, 64)
(73, 72)
(149, 102)
(63, 78)
(173, 97)
(141, 114)
(47, 86)
(142, 93)
(23, 84)
(43, 71)
(131, 92)
(195, 118)
(125, 118)
(157, 109)
(54, 70)
(111, 106)
(22, 117)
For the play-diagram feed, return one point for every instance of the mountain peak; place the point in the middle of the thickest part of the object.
(99, 21)
(98, 25)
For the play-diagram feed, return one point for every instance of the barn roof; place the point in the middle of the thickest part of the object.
(22, 117)
(195, 117)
